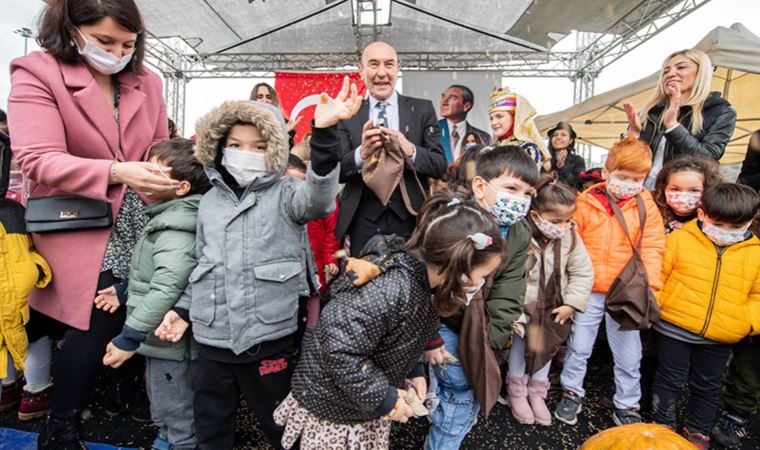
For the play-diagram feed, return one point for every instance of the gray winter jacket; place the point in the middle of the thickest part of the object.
(251, 257)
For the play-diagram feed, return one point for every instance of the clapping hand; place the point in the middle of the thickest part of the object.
(670, 116)
(634, 122)
(343, 107)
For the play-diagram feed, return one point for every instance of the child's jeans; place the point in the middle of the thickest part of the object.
(626, 352)
(171, 400)
(37, 373)
(458, 409)
(703, 366)
(517, 361)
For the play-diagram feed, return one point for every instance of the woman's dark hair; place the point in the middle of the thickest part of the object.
(562, 126)
(62, 17)
(550, 191)
(178, 154)
(506, 160)
(709, 169)
(442, 239)
(730, 202)
(173, 131)
(272, 92)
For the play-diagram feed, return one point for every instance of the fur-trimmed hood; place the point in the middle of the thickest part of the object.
(215, 125)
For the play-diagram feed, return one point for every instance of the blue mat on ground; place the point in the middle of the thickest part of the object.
(11, 439)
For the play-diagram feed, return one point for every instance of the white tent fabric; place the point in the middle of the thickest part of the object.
(735, 53)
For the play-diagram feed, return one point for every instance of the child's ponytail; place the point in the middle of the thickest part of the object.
(454, 236)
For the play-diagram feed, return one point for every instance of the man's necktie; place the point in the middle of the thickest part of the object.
(382, 116)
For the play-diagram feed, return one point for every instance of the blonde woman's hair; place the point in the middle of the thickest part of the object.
(699, 91)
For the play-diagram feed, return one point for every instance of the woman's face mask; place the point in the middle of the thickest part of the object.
(508, 209)
(101, 60)
(244, 166)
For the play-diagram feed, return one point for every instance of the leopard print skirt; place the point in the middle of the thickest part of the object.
(319, 434)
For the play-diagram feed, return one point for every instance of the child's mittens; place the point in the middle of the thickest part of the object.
(360, 271)
(411, 399)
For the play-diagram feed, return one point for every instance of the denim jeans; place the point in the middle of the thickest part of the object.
(703, 366)
(457, 410)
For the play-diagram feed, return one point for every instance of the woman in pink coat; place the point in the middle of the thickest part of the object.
(83, 115)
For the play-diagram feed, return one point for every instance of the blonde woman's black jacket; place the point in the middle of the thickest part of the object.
(718, 123)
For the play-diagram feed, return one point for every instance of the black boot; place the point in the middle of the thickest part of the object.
(62, 432)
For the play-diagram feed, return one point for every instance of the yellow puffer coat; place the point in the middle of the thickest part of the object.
(20, 272)
(712, 293)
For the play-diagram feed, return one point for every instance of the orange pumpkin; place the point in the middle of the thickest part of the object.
(637, 436)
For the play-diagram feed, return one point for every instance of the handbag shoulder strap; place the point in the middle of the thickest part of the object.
(621, 219)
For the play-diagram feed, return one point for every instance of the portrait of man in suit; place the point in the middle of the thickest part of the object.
(385, 114)
(456, 102)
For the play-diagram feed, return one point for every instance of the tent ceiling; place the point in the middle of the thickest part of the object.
(498, 27)
(734, 51)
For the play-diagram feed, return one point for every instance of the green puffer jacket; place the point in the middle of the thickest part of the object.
(161, 265)
(505, 300)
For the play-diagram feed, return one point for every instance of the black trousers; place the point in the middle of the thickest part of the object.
(80, 360)
(363, 228)
(702, 366)
(217, 386)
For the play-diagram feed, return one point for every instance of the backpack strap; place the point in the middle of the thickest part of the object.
(621, 219)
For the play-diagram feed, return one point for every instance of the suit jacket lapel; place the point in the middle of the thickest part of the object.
(405, 112)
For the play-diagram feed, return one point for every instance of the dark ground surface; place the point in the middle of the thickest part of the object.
(499, 431)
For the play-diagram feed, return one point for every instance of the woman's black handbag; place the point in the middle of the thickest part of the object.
(66, 213)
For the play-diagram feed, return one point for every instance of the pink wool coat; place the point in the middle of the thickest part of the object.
(64, 137)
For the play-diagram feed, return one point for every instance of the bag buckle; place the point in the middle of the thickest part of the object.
(70, 214)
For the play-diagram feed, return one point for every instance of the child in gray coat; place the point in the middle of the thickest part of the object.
(251, 261)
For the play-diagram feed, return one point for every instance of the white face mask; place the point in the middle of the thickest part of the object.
(721, 236)
(244, 166)
(469, 292)
(623, 190)
(550, 230)
(101, 60)
(683, 202)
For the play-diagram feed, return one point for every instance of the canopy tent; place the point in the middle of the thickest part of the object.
(735, 53)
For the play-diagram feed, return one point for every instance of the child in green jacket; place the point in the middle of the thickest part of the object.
(161, 265)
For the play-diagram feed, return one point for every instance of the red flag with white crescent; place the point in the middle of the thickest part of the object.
(299, 93)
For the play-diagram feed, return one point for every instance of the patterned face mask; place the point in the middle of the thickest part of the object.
(508, 209)
(721, 236)
(550, 230)
(623, 190)
(685, 202)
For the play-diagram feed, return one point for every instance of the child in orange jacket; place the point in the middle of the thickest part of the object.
(710, 300)
(628, 163)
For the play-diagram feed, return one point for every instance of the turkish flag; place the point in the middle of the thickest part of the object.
(299, 93)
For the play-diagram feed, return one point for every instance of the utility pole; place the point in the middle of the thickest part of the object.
(25, 33)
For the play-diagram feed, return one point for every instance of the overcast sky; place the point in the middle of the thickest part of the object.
(546, 94)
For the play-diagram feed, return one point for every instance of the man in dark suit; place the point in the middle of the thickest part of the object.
(410, 121)
(456, 102)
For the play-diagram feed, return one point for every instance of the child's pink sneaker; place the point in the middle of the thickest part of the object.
(517, 388)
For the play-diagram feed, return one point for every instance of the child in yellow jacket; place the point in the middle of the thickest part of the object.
(21, 270)
(710, 300)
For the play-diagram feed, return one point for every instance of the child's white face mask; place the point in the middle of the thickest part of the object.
(469, 292)
(244, 166)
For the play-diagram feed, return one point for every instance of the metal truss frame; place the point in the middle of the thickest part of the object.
(180, 63)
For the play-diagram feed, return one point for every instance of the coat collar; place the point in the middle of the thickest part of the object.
(90, 100)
